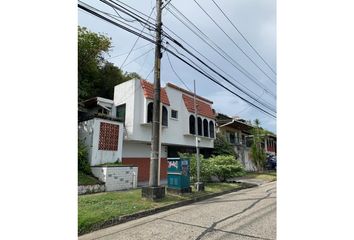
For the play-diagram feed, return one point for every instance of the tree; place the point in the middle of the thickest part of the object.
(91, 50)
(258, 155)
(96, 75)
(222, 146)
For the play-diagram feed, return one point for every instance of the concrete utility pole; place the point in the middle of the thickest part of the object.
(199, 186)
(154, 191)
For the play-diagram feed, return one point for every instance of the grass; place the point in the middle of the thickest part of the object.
(267, 176)
(100, 207)
(113, 164)
(85, 179)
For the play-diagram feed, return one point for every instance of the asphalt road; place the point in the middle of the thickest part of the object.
(247, 214)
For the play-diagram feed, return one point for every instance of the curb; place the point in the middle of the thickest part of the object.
(145, 213)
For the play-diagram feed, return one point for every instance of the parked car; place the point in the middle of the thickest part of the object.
(271, 163)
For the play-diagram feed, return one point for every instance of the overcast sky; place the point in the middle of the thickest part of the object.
(256, 19)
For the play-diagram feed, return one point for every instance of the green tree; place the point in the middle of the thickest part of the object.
(91, 50)
(96, 75)
(258, 154)
(222, 146)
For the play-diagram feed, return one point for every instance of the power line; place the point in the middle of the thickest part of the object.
(114, 4)
(218, 83)
(122, 54)
(233, 41)
(153, 41)
(111, 16)
(136, 41)
(168, 57)
(138, 57)
(214, 64)
(227, 80)
(230, 60)
(244, 37)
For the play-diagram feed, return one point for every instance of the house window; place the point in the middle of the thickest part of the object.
(211, 129)
(200, 128)
(191, 124)
(149, 112)
(205, 128)
(164, 116)
(232, 137)
(103, 111)
(174, 114)
(120, 112)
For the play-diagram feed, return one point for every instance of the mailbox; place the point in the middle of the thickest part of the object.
(178, 175)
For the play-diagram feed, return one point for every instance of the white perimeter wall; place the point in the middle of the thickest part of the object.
(117, 178)
(89, 132)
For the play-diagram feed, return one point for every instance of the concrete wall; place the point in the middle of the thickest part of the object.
(117, 178)
(89, 132)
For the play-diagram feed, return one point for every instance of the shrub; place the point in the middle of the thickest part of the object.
(225, 166)
(83, 163)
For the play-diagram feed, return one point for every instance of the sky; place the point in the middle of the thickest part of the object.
(255, 19)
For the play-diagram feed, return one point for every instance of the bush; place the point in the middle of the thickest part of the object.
(225, 166)
(83, 163)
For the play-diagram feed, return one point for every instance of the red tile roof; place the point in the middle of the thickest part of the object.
(188, 92)
(203, 108)
(148, 89)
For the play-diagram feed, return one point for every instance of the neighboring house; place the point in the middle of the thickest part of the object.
(270, 144)
(238, 133)
(133, 101)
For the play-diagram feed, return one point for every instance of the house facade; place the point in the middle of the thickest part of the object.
(238, 132)
(133, 103)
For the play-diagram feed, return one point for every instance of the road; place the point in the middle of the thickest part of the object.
(247, 214)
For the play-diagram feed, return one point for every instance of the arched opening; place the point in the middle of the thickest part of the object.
(205, 128)
(191, 124)
(211, 129)
(200, 127)
(164, 116)
(149, 112)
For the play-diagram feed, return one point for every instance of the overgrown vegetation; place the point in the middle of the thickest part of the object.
(258, 155)
(96, 75)
(85, 179)
(222, 146)
(83, 163)
(113, 164)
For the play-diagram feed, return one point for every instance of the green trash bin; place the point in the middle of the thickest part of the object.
(178, 175)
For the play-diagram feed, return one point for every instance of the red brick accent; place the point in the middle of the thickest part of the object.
(203, 108)
(149, 92)
(143, 165)
(108, 139)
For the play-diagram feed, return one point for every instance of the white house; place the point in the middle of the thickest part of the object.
(133, 102)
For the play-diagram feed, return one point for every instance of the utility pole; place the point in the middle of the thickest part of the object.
(154, 191)
(199, 186)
